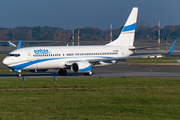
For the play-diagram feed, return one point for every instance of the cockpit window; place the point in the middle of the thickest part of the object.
(16, 55)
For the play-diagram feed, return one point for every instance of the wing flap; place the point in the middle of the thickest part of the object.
(129, 57)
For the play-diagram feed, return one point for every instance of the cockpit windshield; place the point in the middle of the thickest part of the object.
(15, 55)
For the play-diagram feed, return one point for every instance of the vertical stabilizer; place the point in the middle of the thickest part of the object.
(19, 45)
(126, 37)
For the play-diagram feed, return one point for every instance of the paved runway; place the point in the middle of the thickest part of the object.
(117, 70)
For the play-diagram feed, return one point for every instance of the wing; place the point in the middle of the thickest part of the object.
(94, 61)
(138, 48)
(108, 60)
(129, 57)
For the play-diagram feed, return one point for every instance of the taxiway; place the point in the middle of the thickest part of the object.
(116, 70)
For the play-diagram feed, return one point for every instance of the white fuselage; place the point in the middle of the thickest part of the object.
(55, 57)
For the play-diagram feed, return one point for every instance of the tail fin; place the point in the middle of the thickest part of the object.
(19, 45)
(126, 38)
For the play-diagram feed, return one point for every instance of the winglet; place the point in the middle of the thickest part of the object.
(172, 47)
(19, 45)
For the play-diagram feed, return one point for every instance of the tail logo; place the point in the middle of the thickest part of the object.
(129, 28)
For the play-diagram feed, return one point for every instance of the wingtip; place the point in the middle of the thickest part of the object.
(172, 47)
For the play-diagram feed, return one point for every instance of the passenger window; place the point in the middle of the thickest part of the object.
(15, 55)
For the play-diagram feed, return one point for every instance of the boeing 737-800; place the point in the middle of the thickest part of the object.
(80, 59)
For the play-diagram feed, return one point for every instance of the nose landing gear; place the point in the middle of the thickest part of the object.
(88, 74)
(18, 74)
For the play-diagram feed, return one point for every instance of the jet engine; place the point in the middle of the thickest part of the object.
(38, 70)
(81, 67)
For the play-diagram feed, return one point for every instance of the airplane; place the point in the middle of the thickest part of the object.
(11, 44)
(79, 59)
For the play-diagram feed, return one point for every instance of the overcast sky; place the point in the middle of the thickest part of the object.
(94, 13)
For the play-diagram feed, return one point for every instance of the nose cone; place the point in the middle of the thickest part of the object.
(6, 61)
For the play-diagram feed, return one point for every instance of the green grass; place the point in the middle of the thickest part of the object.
(2, 56)
(90, 98)
(7, 70)
(153, 60)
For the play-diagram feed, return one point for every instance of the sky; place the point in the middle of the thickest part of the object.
(93, 13)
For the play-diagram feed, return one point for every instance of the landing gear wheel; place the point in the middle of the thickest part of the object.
(85, 74)
(18, 74)
(62, 72)
(88, 74)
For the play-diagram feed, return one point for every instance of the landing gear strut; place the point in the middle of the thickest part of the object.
(62, 72)
(18, 74)
(88, 74)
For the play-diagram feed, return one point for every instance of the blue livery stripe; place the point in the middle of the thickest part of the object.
(86, 69)
(23, 65)
(129, 27)
(117, 61)
(16, 70)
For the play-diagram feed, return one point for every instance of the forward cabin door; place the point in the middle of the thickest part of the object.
(29, 57)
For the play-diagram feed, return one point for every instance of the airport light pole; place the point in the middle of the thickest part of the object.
(111, 32)
(159, 33)
(166, 42)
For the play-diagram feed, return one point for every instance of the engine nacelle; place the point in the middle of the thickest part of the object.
(38, 70)
(81, 67)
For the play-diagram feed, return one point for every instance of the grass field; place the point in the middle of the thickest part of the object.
(154, 60)
(2, 56)
(90, 98)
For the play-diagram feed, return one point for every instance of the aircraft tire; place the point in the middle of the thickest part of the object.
(18, 74)
(90, 73)
(64, 72)
(85, 74)
(60, 72)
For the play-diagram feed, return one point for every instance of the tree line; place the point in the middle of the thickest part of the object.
(143, 33)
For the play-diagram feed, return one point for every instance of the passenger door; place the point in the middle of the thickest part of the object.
(29, 57)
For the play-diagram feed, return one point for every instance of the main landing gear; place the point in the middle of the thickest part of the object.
(18, 74)
(62, 72)
(88, 74)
